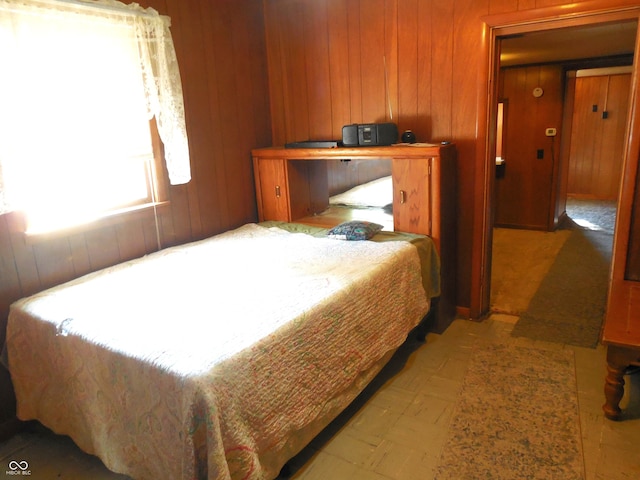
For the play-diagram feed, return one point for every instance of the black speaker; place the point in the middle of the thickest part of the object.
(350, 135)
(371, 134)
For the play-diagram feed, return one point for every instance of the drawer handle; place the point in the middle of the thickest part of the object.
(277, 191)
(403, 196)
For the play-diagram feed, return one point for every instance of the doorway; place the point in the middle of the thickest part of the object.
(560, 20)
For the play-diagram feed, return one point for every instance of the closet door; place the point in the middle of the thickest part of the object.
(597, 137)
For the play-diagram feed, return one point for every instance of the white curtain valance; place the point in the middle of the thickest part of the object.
(158, 64)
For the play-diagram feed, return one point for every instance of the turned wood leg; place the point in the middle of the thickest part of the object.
(613, 391)
(618, 360)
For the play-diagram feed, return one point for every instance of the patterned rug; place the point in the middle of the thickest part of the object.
(569, 305)
(516, 417)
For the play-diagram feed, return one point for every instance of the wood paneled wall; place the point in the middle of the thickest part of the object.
(597, 143)
(344, 175)
(327, 62)
(220, 47)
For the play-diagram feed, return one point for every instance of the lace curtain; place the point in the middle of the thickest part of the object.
(160, 76)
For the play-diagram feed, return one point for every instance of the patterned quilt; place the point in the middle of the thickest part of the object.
(219, 359)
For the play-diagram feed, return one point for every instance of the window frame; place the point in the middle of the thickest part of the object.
(149, 208)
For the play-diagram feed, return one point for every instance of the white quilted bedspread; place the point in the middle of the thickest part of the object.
(220, 359)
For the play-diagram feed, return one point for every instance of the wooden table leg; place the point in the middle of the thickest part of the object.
(618, 359)
(613, 392)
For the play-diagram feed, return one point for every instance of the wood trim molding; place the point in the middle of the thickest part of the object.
(559, 16)
(525, 21)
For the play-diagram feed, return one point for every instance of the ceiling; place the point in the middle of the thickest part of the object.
(572, 43)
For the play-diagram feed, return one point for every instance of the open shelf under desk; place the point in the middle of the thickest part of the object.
(335, 215)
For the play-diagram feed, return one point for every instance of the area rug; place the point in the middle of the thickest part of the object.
(569, 305)
(516, 417)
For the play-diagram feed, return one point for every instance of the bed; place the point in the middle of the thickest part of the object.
(377, 193)
(219, 359)
(371, 201)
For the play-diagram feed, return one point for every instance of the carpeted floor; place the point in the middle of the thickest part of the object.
(569, 305)
(556, 282)
(505, 429)
(521, 259)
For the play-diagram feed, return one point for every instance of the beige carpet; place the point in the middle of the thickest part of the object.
(521, 259)
(507, 429)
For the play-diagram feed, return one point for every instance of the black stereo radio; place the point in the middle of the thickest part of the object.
(371, 134)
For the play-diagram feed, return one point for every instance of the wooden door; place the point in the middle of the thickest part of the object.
(597, 136)
(412, 201)
(525, 189)
(272, 193)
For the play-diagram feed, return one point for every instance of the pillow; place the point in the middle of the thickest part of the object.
(354, 230)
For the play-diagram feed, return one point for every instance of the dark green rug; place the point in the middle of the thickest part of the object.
(569, 305)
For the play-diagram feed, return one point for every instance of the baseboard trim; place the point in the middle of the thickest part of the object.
(464, 312)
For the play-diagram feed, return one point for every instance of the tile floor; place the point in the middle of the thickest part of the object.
(400, 429)
(383, 440)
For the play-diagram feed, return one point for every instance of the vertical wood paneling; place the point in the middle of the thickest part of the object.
(221, 51)
(426, 37)
(79, 254)
(23, 255)
(255, 107)
(408, 65)
(9, 278)
(213, 56)
(439, 80)
(250, 127)
(317, 62)
(339, 68)
(295, 72)
(390, 64)
(345, 175)
(595, 163)
(355, 63)
(372, 53)
(188, 51)
(129, 245)
(500, 6)
(277, 75)
(617, 106)
(468, 33)
(54, 261)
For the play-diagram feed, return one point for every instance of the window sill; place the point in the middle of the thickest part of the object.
(117, 217)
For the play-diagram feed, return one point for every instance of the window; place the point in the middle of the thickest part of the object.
(79, 89)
